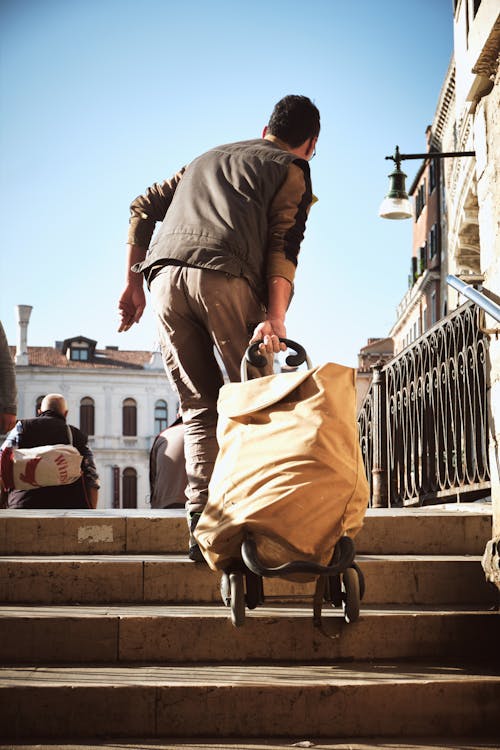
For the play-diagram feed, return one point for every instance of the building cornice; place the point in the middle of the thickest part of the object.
(98, 373)
(445, 105)
(487, 63)
(412, 298)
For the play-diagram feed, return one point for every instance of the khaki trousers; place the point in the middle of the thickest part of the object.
(197, 310)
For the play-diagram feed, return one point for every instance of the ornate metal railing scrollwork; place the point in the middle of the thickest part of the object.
(424, 421)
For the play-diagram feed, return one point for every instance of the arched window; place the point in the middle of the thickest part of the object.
(129, 488)
(161, 416)
(87, 413)
(129, 417)
(38, 404)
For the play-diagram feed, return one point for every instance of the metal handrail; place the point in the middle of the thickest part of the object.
(423, 424)
(480, 299)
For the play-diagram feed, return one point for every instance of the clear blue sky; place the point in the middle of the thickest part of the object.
(101, 98)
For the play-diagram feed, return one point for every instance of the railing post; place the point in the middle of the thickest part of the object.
(380, 496)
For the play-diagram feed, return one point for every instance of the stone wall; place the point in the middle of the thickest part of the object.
(487, 145)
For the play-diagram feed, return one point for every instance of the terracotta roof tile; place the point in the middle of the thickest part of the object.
(47, 356)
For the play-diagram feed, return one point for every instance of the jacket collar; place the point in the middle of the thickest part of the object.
(277, 141)
(50, 413)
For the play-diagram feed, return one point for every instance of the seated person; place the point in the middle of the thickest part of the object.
(51, 428)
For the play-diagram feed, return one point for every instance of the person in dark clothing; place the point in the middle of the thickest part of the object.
(51, 428)
(8, 389)
(167, 468)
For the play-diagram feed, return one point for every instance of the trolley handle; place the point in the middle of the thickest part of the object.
(343, 558)
(253, 357)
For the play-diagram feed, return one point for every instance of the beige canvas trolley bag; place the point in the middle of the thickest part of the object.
(289, 469)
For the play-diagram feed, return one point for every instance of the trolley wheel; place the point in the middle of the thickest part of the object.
(333, 592)
(225, 590)
(237, 599)
(255, 589)
(350, 594)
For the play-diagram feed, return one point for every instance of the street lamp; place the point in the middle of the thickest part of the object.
(396, 204)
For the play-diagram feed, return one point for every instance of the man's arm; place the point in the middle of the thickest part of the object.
(145, 212)
(148, 209)
(152, 466)
(287, 221)
(90, 476)
(11, 441)
(8, 390)
(92, 496)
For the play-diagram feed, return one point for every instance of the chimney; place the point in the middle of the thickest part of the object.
(23, 318)
(156, 361)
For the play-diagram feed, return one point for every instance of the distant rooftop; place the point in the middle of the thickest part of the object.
(109, 358)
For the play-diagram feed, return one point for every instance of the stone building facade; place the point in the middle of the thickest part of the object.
(427, 298)
(375, 351)
(474, 192)
(467, 204)
(121, 399)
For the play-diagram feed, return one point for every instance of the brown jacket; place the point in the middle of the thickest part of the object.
(240, 208)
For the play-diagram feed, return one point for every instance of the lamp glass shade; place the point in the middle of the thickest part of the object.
(395, 208)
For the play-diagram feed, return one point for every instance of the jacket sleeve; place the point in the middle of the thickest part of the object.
(12, 439)
(150, 208)
(152, 465)
(287, 221)
(8, 390)
(89, 469)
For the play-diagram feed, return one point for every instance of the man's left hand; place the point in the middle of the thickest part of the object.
(131, 306)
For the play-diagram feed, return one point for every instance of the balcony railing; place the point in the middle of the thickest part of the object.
(424, 421)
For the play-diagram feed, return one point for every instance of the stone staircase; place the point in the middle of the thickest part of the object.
(107, 630)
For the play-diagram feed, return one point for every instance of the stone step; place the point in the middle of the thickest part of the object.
(386, 531)
(187, 634)
(245, 743)
(389, 698)
(171, 579)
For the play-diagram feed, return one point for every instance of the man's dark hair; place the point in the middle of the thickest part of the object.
(294, 119)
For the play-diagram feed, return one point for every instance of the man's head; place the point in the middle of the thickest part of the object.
(295, 120)
(54, 402)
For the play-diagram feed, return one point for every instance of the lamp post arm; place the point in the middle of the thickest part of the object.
(397, 157)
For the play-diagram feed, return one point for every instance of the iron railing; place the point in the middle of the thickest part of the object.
(424, 421)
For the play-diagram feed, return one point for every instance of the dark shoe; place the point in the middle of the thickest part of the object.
(193, 519)
(195, 554)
